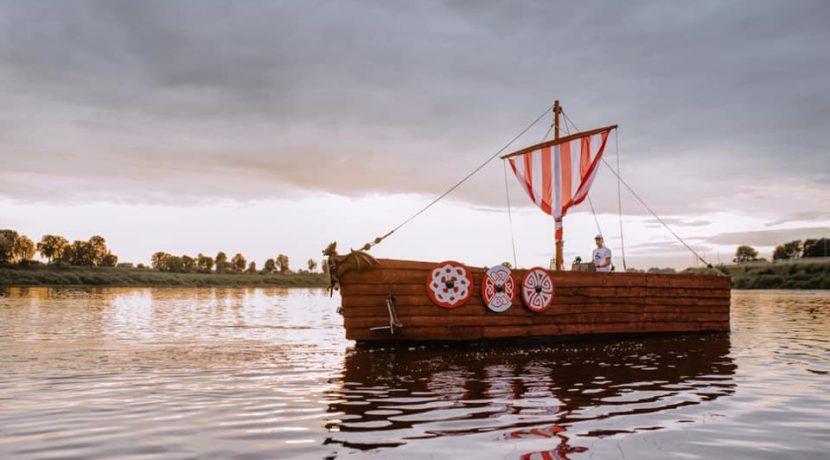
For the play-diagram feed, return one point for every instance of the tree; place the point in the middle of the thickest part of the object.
(109, 260)
(188, 263)
(282, 263)
(159, 261)
(23, 249)
(791, 250)
(68, 254)
(239, 262)
(252, 267)
(221, 262)
(324, 266)
(204, 263)
(312, 265)
(816, 248)
(79, 253)
(165, 262)
(51, 247)
(270, 266)
(97, 249)
(744, 254)
(7, 239)
(89, 253)
(175, 264)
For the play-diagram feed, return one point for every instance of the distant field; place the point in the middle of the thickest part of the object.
(793, 275)
(106, 276)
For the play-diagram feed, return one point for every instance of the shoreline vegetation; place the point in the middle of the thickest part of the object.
(793, 275)
(91, 263)
(801, 274)
(47, 276)
(795, 265)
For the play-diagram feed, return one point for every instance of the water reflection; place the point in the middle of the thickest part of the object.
(528, 395)
(267, 373)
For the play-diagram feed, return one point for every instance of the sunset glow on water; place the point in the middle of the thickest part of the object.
(267, 373)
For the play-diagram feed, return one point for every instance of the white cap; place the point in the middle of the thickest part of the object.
(598, 237)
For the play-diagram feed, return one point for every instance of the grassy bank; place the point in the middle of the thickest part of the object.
(768, 276)
(779, 276)
(106, 276)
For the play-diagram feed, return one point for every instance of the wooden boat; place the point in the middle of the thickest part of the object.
(584, 303)
(387, 300)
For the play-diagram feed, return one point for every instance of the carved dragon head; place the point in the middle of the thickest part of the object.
(331, 249)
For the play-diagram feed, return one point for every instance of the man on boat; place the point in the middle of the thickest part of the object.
(601, 255)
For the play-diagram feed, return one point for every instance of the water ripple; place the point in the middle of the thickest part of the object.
(266, 373)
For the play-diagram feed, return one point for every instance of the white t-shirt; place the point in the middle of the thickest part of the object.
(599, 256)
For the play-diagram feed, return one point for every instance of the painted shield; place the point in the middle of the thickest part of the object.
(537, 289)
(498, 288)
(449, 284)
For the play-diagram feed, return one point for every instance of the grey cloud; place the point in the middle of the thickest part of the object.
(136, 99)
(676, 221)
(664, 247)
(803, 216)
(769, 237)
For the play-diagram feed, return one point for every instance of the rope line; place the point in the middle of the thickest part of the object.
(599, 230)
(656, 216)
(620, 180)
(547, 133)
(565, 127)
(545, 137)
(377, 240)
(510, 216)
(568, 120)
(619, 199)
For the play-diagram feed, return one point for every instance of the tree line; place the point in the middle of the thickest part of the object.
(797, 249)
(165, 262)
(20, 249)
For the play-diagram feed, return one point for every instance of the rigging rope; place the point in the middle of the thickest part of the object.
(656, 216)
(377, 240)
(547, 133)
(568, 120)
(510, 216)
(620, 180)
(619, 199)
(599, 230)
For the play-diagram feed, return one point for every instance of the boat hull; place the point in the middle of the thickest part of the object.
(584, 304)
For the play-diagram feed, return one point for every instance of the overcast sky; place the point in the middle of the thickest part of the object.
(280, 126)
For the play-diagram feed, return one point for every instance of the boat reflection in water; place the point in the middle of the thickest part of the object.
(537, 401)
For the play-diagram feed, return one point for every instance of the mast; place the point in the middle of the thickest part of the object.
(558, 221)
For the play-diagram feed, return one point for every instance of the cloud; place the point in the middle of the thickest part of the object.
(669, 247)
(769, 237)
(676, 222)
(802, 216)
(182, 101)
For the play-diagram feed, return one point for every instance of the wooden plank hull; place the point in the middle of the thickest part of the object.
(584, 304)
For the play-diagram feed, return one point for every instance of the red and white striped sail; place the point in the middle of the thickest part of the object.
(558, 174)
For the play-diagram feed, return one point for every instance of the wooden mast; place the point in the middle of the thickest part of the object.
(558, 221)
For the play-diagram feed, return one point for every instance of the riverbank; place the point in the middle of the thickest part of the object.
(794, 275)
(119, 277)
(767, 276)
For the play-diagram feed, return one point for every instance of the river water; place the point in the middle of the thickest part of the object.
(266, 373)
